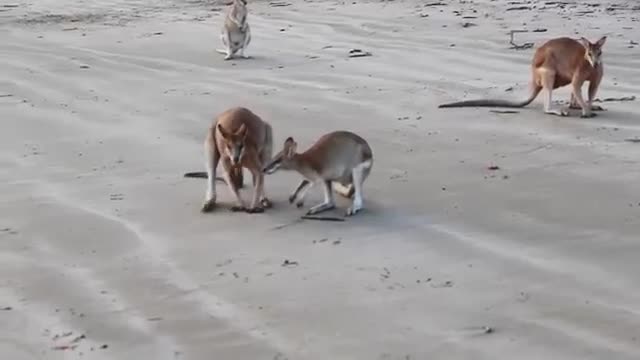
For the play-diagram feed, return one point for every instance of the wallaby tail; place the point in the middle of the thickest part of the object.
(494, 103)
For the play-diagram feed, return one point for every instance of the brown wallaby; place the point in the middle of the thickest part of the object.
(557, 63)
(341, 158)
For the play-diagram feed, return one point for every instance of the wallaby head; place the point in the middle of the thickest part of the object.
(284, 159)
(593, 53)
(234, 143)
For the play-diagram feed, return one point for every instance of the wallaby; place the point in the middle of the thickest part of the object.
(557, 63)
(341, 157)
(236, 33)
(240, 139)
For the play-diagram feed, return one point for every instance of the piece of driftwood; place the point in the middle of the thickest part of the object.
(434, 4)
(201, 175)
(504, 111)
(527, 45)
(321, 218)
(612, 99)
(358, 53)
(516, 8)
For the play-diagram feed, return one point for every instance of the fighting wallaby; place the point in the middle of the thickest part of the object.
(557, 63)
(236, 33)
(341, 157)
(241, 139)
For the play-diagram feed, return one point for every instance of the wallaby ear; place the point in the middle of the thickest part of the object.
(290, 146)
(288, 142)
(242, 131)
(601, 41)
(223, 132)
(586, 43)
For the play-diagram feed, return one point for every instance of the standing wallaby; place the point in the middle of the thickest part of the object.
(557, 63)
(236, 33)
(240, 139)
(342, 158)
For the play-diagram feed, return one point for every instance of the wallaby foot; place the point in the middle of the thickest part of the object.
(208, 206)
(353, 210)
(266, 203)
(255, 210)
(557, 112)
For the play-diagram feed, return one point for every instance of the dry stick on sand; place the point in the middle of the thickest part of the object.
(201, 174)
(321, 218)
(504, 111)
(624, 98)
(527, 45)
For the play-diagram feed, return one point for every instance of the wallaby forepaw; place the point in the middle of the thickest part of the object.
(300, 204)
(228, 57)
(255, 210)
(208, 206)
(352, 211)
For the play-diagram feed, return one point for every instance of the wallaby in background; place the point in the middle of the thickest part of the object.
(241, 139)
(341, 158)
(557, 63)
(236, 33)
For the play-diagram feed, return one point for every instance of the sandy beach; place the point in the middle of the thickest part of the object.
(485, 235)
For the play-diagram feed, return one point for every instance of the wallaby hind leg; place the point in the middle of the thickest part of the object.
(328, 203)
(360, 174)
(593, 89)
(548, 79)
(258, 190)
(228, 46)
(247, 40)
(212, 157)
(265, 157)
(586, 107)
(573, 103)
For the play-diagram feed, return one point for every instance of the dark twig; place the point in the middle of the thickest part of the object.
(321, 218)
(527, 45)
